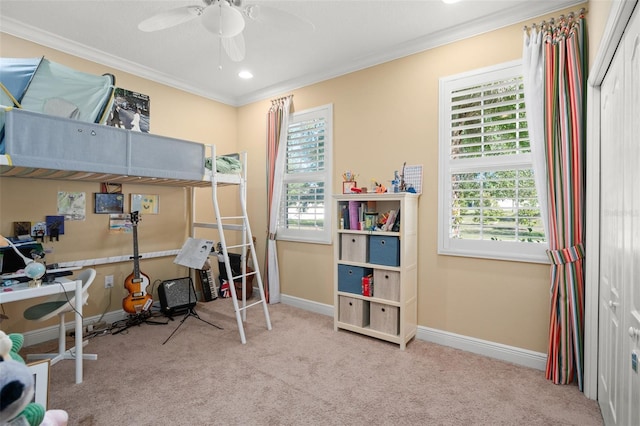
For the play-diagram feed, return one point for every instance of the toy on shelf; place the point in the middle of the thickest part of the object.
(349, 176)
(379, 188)
(349, 184)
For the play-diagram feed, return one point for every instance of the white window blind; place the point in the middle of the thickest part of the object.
(488, 205)
(304, 213)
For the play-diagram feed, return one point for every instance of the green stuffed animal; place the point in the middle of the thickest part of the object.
(16, 385)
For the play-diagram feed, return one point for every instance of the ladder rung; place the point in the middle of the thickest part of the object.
(242, 308)
(215, 226)
(239, 245)
(244, 275)
(205, 225)
(231, 217)
(234, 227)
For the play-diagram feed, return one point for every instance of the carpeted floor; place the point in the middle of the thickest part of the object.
(300, 373)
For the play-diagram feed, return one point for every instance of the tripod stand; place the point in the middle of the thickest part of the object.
(191, 312)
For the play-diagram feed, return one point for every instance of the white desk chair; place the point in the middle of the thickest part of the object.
(59, 305)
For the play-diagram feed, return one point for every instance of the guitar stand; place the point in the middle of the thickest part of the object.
(191, 312)
(138, 319)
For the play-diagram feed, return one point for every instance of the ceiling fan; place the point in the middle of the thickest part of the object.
(226, 19)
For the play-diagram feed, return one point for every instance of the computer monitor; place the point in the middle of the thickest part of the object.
(11, 262)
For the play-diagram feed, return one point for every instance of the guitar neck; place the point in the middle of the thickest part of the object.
(136, 256)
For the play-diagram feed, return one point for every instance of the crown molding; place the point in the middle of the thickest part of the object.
(452, 34)
(500, 20)
(53, 41)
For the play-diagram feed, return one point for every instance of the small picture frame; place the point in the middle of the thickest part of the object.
(108, 203)
(21, 228)
(145, 203)
(40, 371)
(55, 225)
(347, 185)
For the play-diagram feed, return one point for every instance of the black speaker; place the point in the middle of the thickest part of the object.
(177, 295)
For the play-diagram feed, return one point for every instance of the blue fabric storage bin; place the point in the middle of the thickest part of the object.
(350, 278)
(384, 250)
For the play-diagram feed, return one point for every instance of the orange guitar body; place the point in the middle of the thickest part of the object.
(138, 297)
(136, 283)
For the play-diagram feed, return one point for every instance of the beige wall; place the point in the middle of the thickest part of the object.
(383, 116)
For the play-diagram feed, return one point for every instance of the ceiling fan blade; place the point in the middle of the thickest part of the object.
(234, 46)
(278, 18)
(170, 18)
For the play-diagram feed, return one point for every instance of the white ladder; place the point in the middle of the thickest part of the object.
(239, 224)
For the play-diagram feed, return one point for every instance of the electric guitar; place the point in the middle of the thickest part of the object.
(136, 283)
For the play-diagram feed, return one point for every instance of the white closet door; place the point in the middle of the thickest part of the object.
(611, 236)
(631, 364)
(619, 316)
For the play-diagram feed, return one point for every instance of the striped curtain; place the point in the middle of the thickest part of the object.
(562, 61)
(277, 125)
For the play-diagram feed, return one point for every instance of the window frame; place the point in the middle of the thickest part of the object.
(488, 249)
(323, 236)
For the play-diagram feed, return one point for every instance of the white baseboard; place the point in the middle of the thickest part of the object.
(307, 305)
(519, 356)
(515, 355)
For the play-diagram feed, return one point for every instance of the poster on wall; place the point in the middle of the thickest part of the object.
(144, 203)
(120, 224)
(108, 203)
(72, 205)
(55, 225)
(130, 111)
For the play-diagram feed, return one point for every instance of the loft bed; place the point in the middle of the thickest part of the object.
(54, 130)
(47, 147)
(43, 146)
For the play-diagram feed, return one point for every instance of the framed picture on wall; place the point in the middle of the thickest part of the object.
(21, 228)
(108, 203)
(144, 203)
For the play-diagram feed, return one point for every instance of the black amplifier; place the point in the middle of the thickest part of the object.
(177, 295)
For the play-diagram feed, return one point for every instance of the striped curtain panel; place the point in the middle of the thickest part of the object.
(562, 62)
(277, 125)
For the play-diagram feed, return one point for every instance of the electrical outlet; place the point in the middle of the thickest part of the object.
(108, 281)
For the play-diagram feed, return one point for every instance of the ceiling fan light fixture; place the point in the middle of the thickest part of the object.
(223, 20)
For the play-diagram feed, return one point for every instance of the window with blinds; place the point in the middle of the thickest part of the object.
(488, 204)
(305, 208)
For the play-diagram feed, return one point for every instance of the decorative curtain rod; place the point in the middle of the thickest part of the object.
(552, 21)
(273, 101)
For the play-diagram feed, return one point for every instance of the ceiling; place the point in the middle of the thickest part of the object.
(345, 36)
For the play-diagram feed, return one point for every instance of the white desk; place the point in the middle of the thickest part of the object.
(22, 291)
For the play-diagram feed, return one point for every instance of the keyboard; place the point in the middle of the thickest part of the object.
(48, 277)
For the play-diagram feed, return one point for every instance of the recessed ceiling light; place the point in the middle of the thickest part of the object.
(245, 75)
(450, 1)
